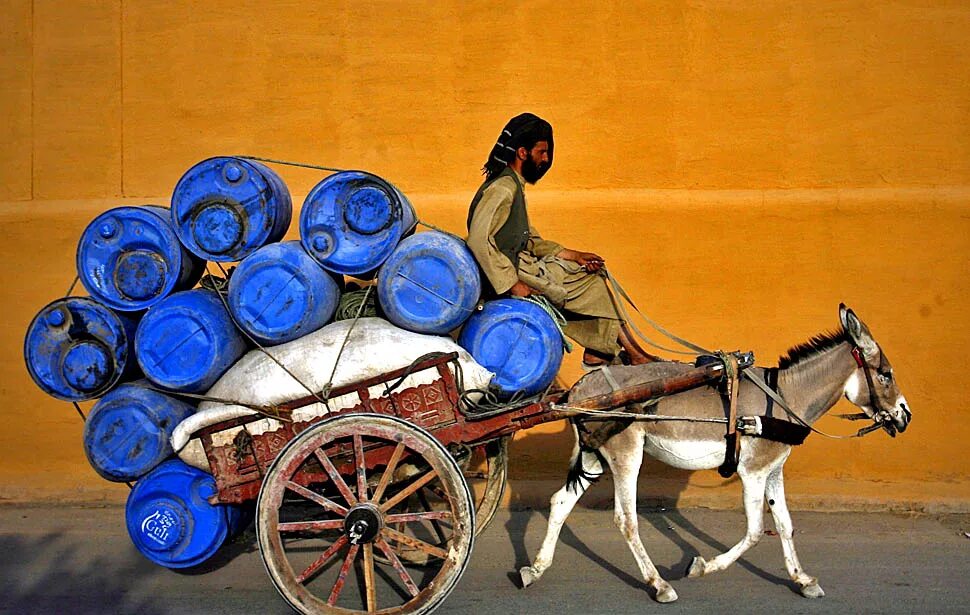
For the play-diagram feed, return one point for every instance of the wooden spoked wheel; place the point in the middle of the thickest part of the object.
(332, 521)
(485, 468)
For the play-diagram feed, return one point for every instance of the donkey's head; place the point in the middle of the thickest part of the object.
(872, 385)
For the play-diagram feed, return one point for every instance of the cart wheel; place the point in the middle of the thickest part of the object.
(320, 522)
(485, 468)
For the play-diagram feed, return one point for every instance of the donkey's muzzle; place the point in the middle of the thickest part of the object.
(903, 418)
(896, 420)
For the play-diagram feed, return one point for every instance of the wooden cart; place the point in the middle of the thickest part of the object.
(375, 508)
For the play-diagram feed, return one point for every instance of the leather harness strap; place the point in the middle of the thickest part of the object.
(732, 444)
(610, 380)
(857, 355)
(594, 439)
(771, 379)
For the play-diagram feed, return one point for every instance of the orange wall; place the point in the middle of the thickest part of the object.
(117, 98)
(743, 167)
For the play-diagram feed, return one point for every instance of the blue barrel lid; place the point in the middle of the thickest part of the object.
(77, 349)
(352, 221)
(518, 341)
(127, 433)
(130, 258)
(429, 284)
(279, 293)
(170, 519)
(187, 341)
(225, 208)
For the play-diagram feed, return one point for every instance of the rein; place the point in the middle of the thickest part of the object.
(776, 398)
(772, 395)
(612, 414)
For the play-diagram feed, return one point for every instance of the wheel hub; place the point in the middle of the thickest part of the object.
(363, 523)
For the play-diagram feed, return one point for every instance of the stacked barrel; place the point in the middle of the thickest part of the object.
(147, 339)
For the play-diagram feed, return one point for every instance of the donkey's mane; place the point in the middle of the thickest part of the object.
(812, 347)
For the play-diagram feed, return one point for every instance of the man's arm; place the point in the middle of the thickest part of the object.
(542, 247)
(590, 262)
(491, 213)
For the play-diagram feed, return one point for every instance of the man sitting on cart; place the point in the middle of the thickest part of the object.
(516, 261)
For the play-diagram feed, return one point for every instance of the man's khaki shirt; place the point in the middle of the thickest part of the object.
(491, 213)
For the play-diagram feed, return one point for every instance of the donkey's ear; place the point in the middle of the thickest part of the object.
(858, 331)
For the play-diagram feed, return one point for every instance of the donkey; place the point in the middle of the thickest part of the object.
(810, 378)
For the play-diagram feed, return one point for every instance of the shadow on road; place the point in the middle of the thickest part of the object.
(657, 506)
(241, 544)
(663, 522)
(39, 571)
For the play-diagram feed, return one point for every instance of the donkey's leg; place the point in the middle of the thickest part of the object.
(754, 474)
(775, 490)
(624, 453)
(561, 505)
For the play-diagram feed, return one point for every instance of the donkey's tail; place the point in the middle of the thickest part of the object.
(587, 464)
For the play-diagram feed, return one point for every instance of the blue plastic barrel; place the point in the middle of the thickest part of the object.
(171, 521)
(77, 349)
(353, 220)
(518, 341)
(278, 293)
(429, 284)
(187, 341)
(127, 433)
(130, 258)
(225, 208)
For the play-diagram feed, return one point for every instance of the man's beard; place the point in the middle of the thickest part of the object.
(532, 172)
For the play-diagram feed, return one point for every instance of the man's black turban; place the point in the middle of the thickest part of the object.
(523, 130)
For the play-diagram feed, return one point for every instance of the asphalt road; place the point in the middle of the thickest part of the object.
(80, 560)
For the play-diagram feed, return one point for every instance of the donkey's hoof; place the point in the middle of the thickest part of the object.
(812, 590)
(696, 568)
(666, 593)
(528, 575)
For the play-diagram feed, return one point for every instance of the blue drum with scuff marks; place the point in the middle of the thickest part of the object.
(518, 341)
(226, 208)
(130, 258)
(279, 293)
(429, 284)
(127, 433)
(187, 341)
(171, 521)
(78, 349)
(353, 220)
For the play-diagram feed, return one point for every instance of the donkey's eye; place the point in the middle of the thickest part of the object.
(884, 378)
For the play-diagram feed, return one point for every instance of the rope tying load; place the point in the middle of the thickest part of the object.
(356, 301)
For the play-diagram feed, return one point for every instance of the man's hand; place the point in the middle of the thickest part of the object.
(521, 289)
(589, 261)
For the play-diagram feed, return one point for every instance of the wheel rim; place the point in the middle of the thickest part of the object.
(335, 498)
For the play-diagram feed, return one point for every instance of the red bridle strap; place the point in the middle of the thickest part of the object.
(857, 355)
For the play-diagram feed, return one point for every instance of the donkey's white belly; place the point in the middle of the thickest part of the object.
(685, 454)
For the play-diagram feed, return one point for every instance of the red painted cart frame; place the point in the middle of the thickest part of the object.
(239, 467)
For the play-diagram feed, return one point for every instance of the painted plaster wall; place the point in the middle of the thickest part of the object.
(742, 168)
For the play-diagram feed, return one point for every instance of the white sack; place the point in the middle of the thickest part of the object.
(375, 347)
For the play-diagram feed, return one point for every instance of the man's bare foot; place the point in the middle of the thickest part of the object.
(635, 353)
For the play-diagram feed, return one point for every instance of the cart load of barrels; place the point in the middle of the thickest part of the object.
(166, 315)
